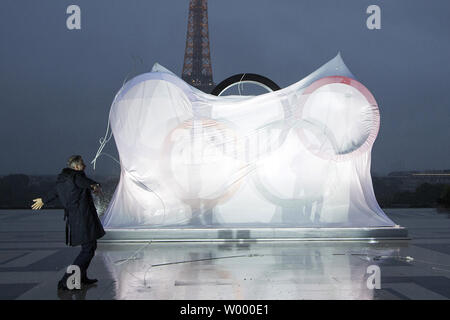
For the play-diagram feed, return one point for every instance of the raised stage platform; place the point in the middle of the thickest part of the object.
(254, 234)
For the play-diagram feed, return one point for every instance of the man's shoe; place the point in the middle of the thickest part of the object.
(88, 281)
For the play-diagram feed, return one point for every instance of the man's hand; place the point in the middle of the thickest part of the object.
(96, 189)
(37, 204)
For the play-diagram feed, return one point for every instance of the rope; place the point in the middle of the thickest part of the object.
(239, 84)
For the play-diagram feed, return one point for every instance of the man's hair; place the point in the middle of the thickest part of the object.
(74, 160)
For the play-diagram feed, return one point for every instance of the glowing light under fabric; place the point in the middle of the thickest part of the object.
(299, 156)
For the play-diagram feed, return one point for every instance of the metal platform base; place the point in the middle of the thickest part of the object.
(254, 234)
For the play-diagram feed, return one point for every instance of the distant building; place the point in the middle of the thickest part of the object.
(410, 180)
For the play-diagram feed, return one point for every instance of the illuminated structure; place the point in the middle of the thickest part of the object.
(297, 158)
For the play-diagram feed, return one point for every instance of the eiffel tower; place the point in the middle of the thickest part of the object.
(197, 69)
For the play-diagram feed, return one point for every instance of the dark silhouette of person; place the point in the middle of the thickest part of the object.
(83, 227)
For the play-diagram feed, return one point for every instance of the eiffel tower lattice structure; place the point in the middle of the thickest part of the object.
(197, 70)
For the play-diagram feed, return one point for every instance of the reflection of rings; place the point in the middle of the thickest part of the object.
(175, 136)
(341, 140)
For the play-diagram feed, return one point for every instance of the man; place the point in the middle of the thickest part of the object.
(83, 227)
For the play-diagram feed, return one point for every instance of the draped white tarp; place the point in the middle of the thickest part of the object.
(297, 157)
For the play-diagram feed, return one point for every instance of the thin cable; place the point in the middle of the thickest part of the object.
(197, 260)
(110, 156)
(122, 261)
(240, 81)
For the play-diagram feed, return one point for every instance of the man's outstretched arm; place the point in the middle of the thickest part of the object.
(49, 197)
(84, 182)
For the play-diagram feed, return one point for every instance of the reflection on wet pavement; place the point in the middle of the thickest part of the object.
(286, 270)
(33, 258)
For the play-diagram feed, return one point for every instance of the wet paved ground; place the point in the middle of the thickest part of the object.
(33, 258)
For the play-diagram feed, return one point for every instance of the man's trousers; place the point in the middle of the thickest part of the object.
(83, 259)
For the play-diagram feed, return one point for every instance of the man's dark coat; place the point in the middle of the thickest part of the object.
(73, 189)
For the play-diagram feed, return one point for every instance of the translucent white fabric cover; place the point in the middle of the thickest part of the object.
(297, 157)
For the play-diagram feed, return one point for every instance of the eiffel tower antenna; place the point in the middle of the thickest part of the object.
(197, 70)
